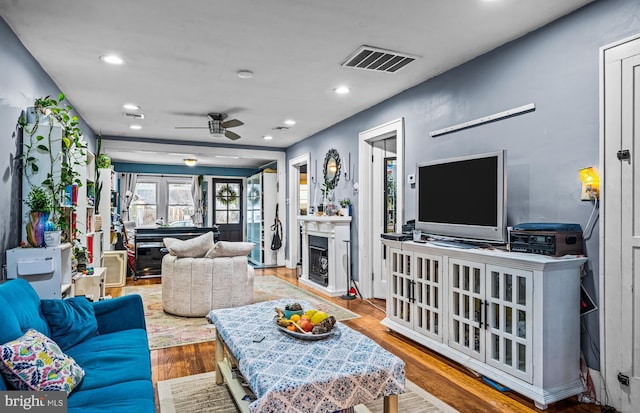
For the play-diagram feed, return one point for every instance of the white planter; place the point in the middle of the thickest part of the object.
(52, 238)
(344, 212)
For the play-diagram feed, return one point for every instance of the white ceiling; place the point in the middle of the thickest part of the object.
(182, 58)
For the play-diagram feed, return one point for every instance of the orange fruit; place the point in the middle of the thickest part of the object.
(291, 327)
(295, 318)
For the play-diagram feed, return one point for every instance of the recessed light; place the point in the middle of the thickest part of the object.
(341, 90)
(136, 127)
(290, 122)
(267, 137)
(131, 106)
(112, 59)
(245, 74)
(190, 161)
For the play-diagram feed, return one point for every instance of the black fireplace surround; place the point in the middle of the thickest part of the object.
(319, 260)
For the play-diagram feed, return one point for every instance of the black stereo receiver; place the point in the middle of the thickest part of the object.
(547, 239)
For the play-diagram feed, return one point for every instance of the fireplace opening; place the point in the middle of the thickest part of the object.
(319, 260)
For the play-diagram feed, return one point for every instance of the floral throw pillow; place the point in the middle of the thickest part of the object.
(35, 362)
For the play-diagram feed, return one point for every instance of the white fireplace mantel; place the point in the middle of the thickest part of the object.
(337, 230)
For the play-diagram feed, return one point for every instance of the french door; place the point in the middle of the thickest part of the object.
(227, 208)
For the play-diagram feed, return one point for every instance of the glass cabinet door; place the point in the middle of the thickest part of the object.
(467, 285)
(254, 216)
(427, 295)
(509, 317)
(399, 301)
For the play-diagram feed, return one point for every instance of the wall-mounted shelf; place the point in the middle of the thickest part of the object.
(485, 119)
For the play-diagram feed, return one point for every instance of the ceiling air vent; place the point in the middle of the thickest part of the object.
(378, 60)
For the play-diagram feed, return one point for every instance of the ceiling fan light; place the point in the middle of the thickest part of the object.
(215, 128)
(190, 161)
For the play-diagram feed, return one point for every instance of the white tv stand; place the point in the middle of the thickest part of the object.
(512, 317)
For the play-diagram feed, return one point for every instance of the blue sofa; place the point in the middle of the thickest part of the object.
(116, 361)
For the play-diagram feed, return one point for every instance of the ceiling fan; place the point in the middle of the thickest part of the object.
(218, 126)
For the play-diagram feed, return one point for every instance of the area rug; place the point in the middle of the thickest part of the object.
(200, 394)
(166, 330)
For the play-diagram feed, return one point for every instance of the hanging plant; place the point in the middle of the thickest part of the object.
(61, 172)
(226, 195)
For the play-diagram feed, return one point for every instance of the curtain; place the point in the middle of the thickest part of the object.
(127, 187)
(196, 191)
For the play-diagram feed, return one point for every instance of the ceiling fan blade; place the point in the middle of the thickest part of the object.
(190, 127)
(231, 135)
(232, 123)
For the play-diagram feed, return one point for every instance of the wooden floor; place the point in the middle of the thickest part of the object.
(443, 378)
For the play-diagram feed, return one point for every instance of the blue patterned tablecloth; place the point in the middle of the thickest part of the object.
(289, 375)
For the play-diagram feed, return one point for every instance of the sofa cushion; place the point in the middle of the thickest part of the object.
(113, 358)
(21, 311)
(71, 321)
(35, 362)
(128, 396)
(194, 247)
(230, 249)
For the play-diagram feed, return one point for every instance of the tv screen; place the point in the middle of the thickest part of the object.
(464, 197)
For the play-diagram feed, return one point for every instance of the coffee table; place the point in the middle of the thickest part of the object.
(287, 374)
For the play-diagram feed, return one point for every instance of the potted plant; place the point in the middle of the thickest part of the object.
(345, 203)
(80, 256)
(40, 205)
(64, 153)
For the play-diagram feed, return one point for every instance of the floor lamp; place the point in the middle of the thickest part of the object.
(348, 295)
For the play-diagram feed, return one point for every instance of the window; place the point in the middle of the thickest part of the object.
(227, 203)
(144, 207)
(180, 205)
(162, 200)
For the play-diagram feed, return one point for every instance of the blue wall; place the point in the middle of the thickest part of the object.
(22, 80)
(555, 67)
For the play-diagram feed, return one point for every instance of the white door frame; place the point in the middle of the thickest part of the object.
(294, 209)
(366, 238)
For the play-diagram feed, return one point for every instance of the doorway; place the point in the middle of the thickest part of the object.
(227, 208)
(380, 200)
(299, 200)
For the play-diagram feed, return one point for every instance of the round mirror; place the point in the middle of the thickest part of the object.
(332, 167)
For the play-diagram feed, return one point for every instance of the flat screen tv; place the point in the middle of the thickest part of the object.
(463, 198)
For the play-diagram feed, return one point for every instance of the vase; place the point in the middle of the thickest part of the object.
(35, 228)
